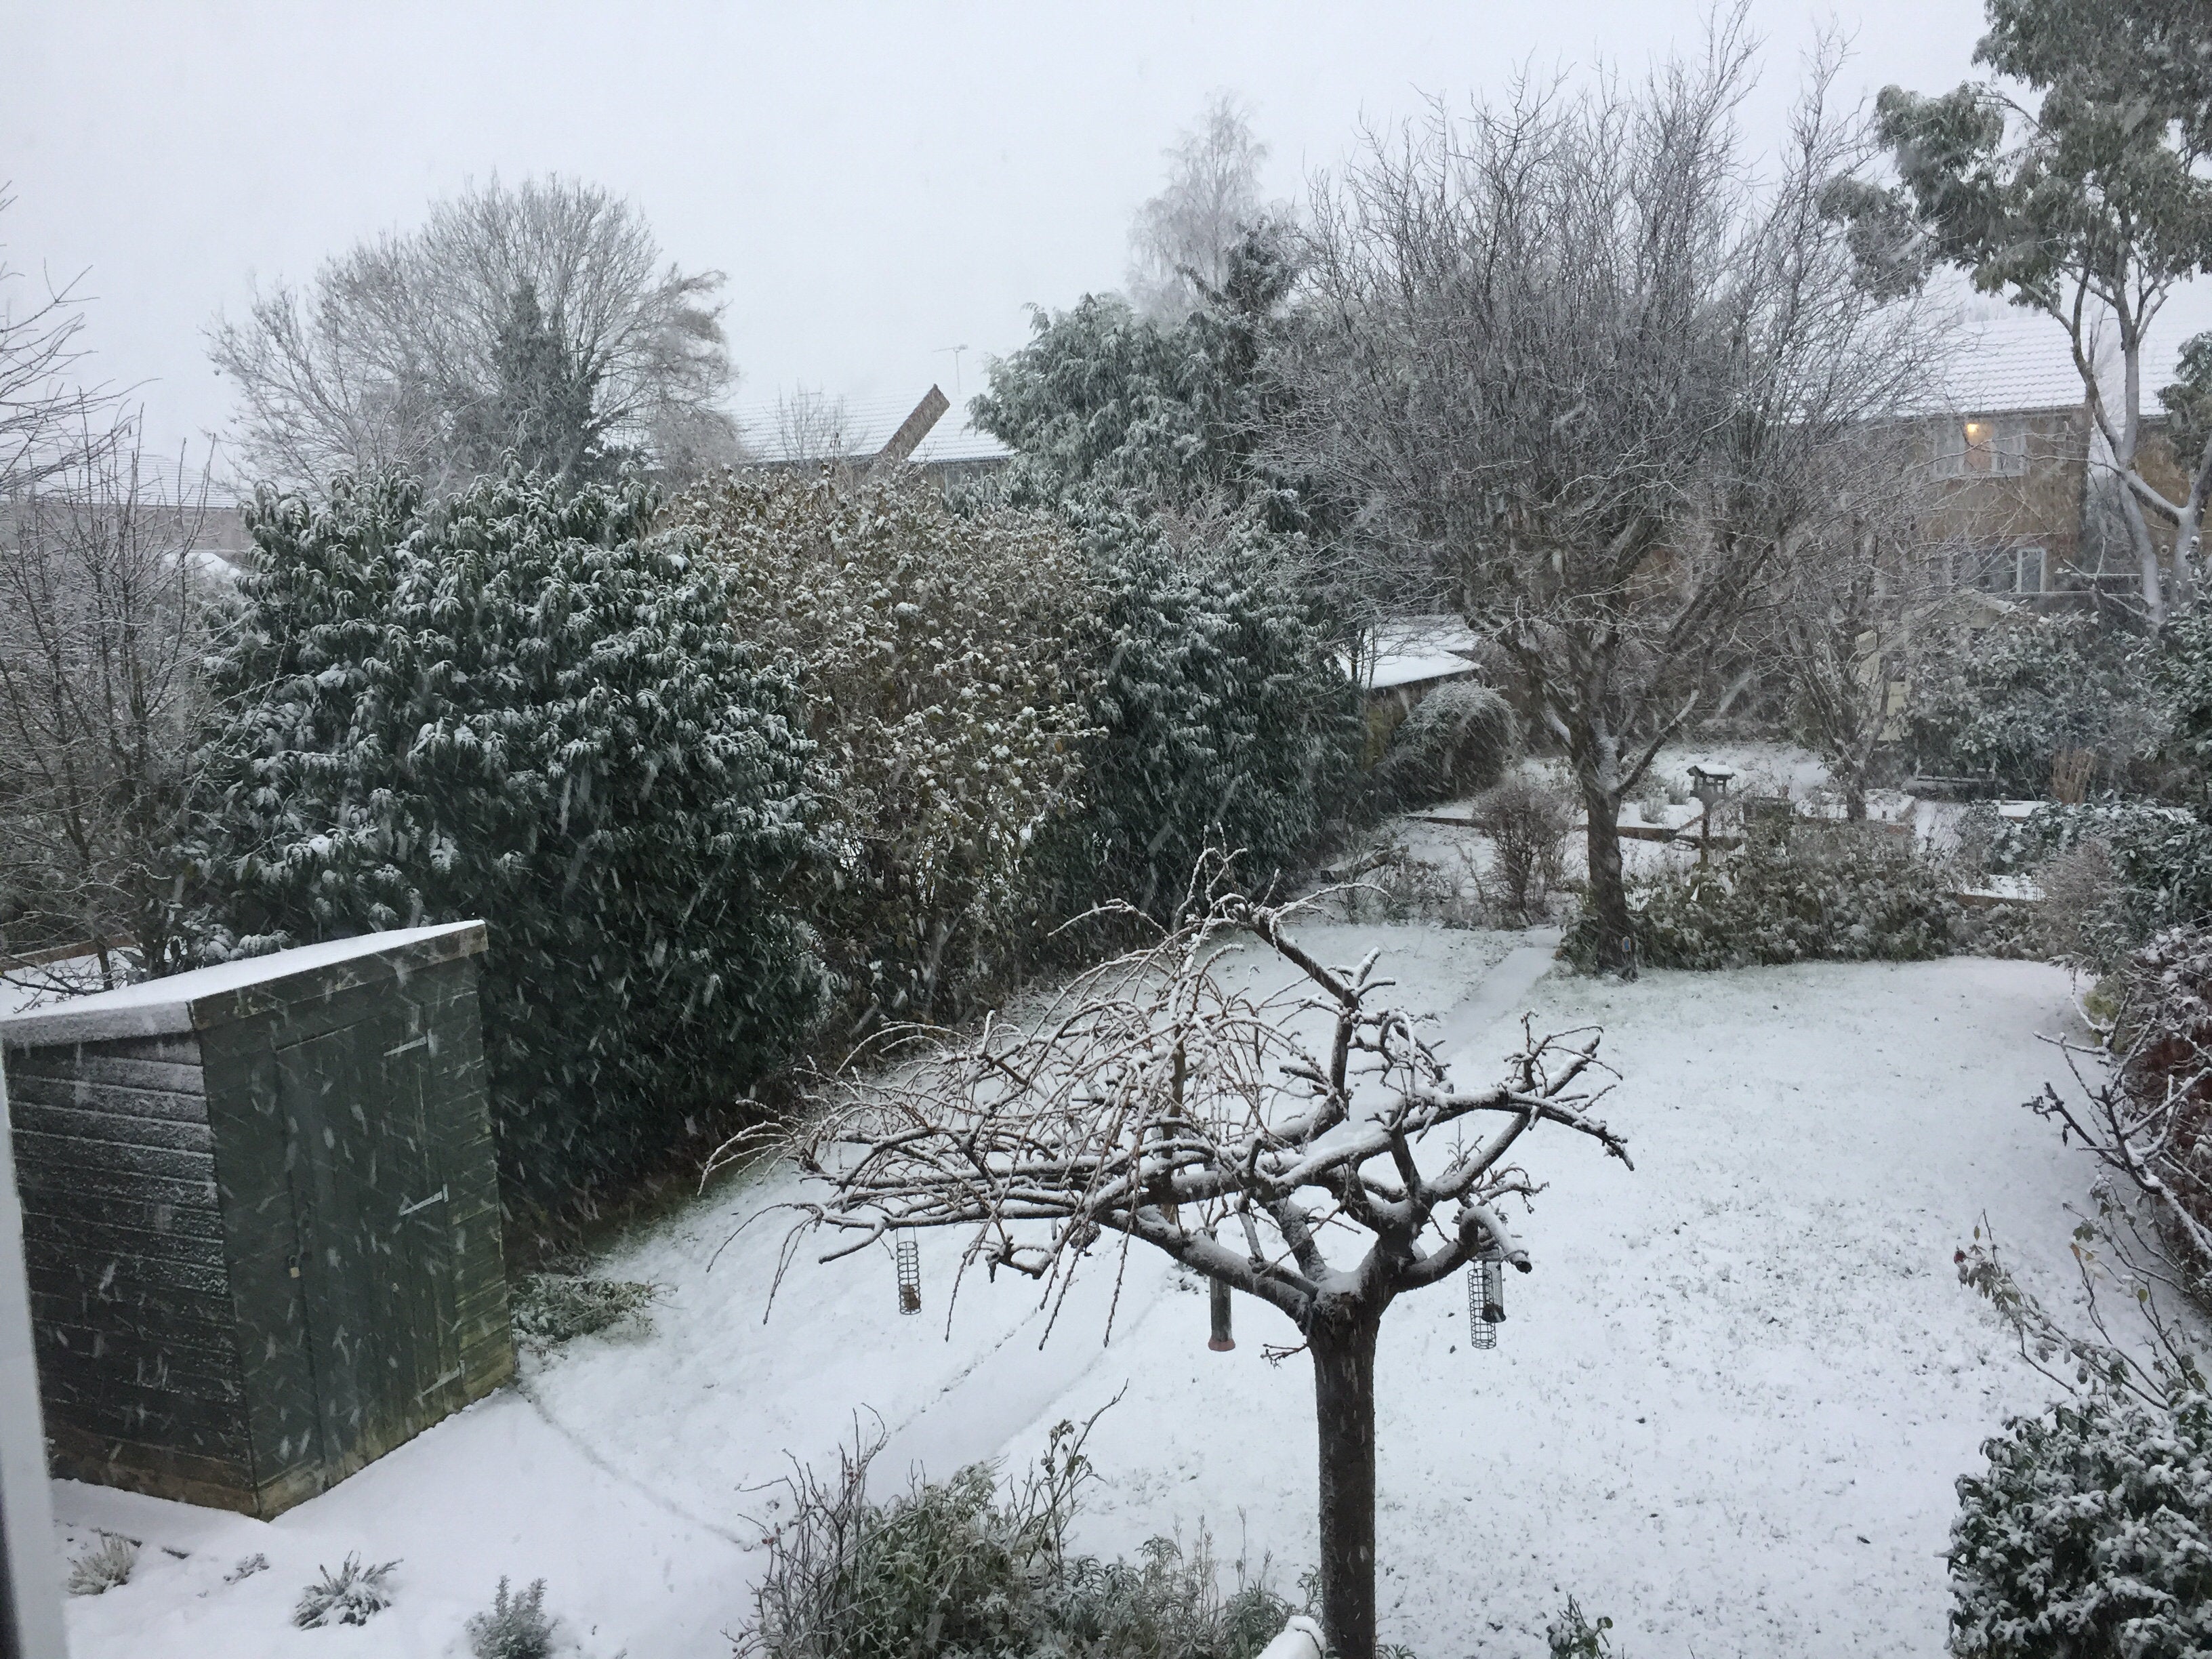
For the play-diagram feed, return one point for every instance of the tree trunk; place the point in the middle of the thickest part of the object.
(1344, 1411)
(1608, 891)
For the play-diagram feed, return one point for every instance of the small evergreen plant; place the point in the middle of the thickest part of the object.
(515, 1628)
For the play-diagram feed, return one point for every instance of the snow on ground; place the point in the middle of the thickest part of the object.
(1727, 1408)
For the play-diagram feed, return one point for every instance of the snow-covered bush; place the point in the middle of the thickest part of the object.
(103, 1565)
(1455, 740)
(527, 706)
(2090, 1535)
(1221, 716)
(517, 1627)
(936, 658)
(1528, 820)
(970, 1566)
(1840, 893)
(2026, 690)
(547, 1309)
(353, 1595)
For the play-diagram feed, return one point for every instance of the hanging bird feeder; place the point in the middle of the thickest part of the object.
(1221, 1341)
(908, 1254)
(1485, 1301)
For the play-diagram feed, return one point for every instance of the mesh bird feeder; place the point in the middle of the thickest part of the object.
(1222, 1340)
(908, 1254)
(1485, 1301)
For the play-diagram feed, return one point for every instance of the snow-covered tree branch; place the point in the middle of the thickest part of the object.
(1155, 1101)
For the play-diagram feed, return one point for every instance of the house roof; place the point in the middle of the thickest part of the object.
(2021, 363)
(1417, 648)
(862, 426)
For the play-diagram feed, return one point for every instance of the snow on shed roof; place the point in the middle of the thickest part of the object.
(206, 996)
(1417, 648)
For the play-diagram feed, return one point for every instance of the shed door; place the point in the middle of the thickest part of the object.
(372, 1197)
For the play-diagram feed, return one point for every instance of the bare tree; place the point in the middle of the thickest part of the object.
(102, 629)
(1853, 606)
(401, 352)
(1151, 1103)
(44, 417)
(1181, 239)
(1581, 369)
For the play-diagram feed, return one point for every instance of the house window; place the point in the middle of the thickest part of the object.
(1986, 447)
(2008, 572)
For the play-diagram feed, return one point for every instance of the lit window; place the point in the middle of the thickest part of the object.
(1986, 447)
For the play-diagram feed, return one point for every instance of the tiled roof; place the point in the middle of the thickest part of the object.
(2023, 361)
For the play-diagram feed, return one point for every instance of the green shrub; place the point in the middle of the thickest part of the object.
(2089, 1535)
(520, 705)
(547, 1309)
(2160, 862)
(353, 1595)
(1221, 716)
(1834, 893)
(103, 1565)
(517, 1627)
(2024, 690)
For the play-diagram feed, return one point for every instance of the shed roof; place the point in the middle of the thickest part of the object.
(213, 996)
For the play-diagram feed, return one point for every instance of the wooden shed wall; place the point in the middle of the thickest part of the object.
(264, 1253)
(138, 1342)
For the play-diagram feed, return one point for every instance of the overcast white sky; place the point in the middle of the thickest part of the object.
(878, 182)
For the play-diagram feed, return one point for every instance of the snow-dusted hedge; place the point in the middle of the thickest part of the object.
(2090, 1535)
(1221, 716)
(2026, 690)
(937, 656)
(2160, 859)
(523, 705)
(1839, 894)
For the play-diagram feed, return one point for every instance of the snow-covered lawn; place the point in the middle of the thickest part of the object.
(1727, 1408)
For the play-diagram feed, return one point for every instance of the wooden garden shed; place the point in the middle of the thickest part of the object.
(260, 1216)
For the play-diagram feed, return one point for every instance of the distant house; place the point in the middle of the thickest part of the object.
(2023, 478)
(812, 430)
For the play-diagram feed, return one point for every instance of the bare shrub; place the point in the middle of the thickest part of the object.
(1527, 822)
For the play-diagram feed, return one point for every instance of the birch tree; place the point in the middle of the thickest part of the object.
(1580, 370)
(1153, 1102)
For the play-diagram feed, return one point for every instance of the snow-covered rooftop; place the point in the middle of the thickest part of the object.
(2022, 361)
(1420, 649)
(168, 1005)
(857, 427)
